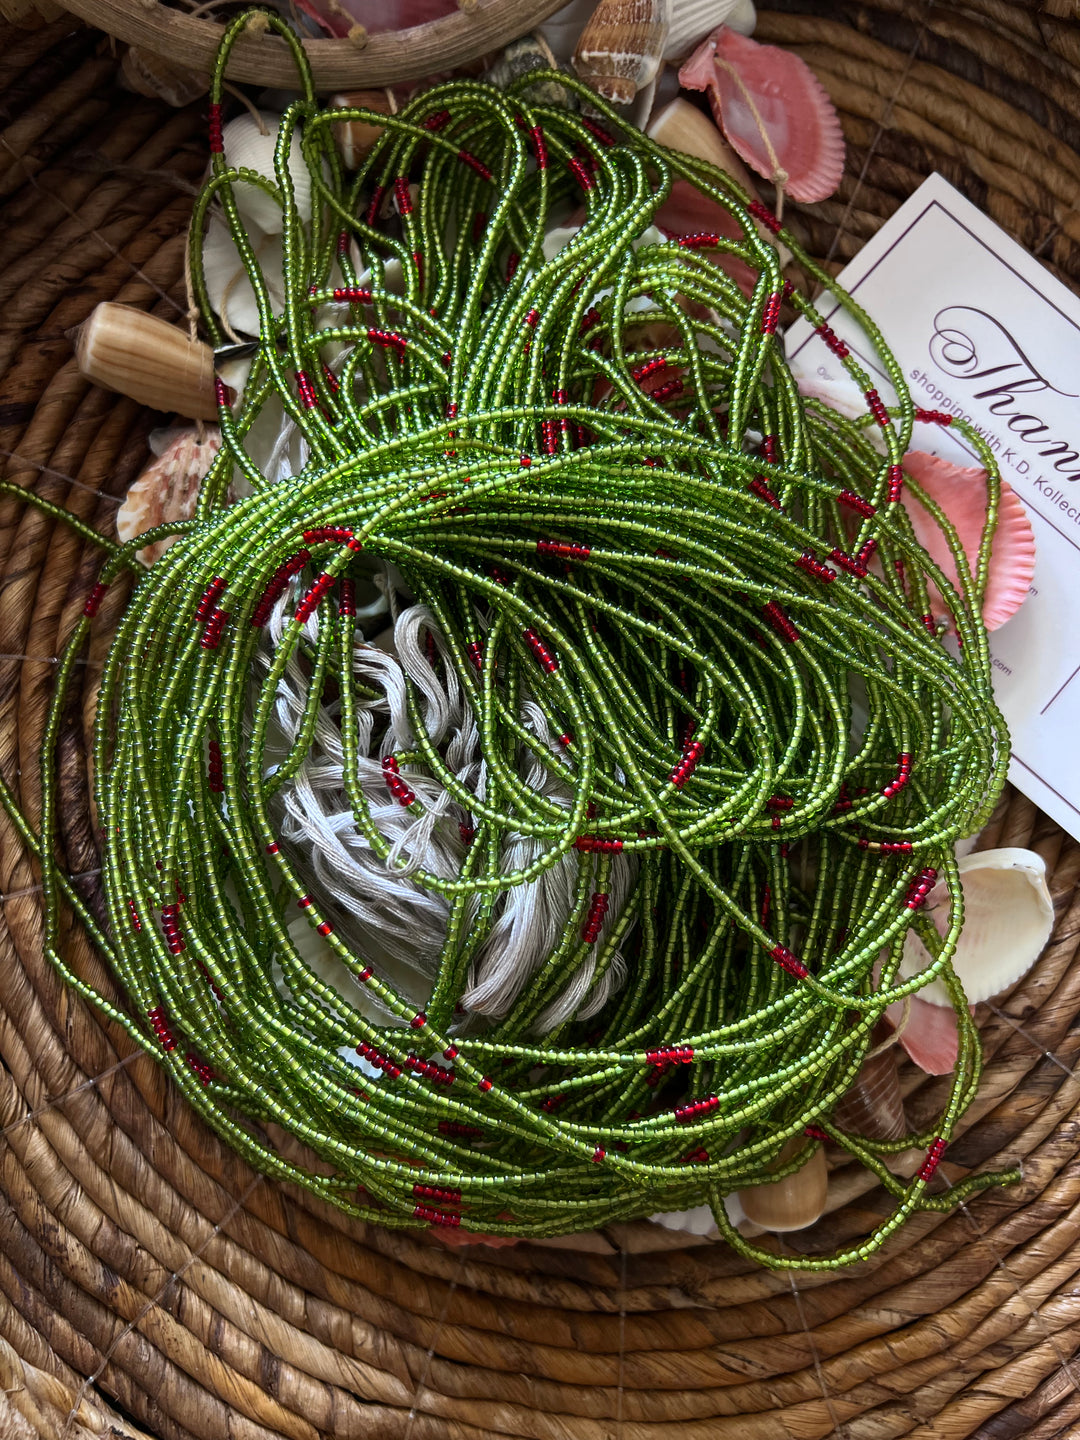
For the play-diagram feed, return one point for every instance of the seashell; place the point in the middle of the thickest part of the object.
(147, 359)
(530, 52)
(1008, 917)
(560, 31)
(355, 138)
(161, 79)
(681, 126)
(247, 147)
(773, 109)
(620, 48)
(930, 1036)
(227, 283)
(874, 1106)
(692, 21)
(168, 489)
(797, 1200)
(960, 491)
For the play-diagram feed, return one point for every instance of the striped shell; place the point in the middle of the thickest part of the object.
(620, 49)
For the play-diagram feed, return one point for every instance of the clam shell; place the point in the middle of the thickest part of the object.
(227, 282)
(692, 21)
(681, 126)
(960, 491)
(246, 147)
(147, 359)
(355, 138)
(1008, 917)
(168, 489)
(773, 109)
(620, 49)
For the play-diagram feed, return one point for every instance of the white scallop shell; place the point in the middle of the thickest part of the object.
(248, 148)
(227, 282)
(692, 20)
(1008, 917)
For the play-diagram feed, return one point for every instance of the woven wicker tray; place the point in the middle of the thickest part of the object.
(151, 1283)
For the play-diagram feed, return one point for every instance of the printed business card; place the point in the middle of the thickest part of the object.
(982, 330)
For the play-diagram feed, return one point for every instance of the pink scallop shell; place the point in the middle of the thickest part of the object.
(960, 491)
(795, 111)
(930, 1036)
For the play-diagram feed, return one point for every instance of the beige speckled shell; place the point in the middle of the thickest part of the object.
(621, 47)
(168, 489)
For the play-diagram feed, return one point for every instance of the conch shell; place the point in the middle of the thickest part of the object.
(147, 359)
(620, 49)
(168, 489)
(1008, 917)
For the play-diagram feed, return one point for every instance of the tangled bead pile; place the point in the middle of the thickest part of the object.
(688, 597)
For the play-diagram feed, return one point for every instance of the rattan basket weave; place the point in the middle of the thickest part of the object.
(152, 1285)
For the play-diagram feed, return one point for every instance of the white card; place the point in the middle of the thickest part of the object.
(983, 331)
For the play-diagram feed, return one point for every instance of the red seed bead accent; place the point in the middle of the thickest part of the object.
(667, 391)
(160, 1026)
(454, 1127)
(467, 158)
(758, 487)
(598, 131)
(353, 295)
(780, 802)
(217, 142)
(467, 832)
(896, 482)
(768, 448)
(311, 600)
(766, 905)
(649, 367)
(670, 1055)
(815, 567)
(475, 652)
(93, 600)
(388, 340)
(305, 902)
(591, 317)
(903, 775)
(343, 242)
(696, 1109)
(402, 195)
(418, 1021)
(365, 975)
(770, 317)
(780, 622)
(437, 1192)
(306, 390)
(815, 1132)
(552, 1103)
(877, 408)
(215, 773)
(833, 341)
(324, 929)
(691, 757)
(211, 595)
(789, 962)
(347, 597)
(851, 563)
(920, 888)
(543, 655)
(211, 638)
(221, 394)
(933, 1159)
(512, 263)
(933, 417)
(580, 172)
(856, 503)
(377, 197)
(566, 738)
(596, 844)
(594, 920)
(136, 923)
(532, 319)
(438, 120)
(766, 216)
(273, 848)
(700, 1156)
(201, 1068)
(700, 240)
(436, 1217)
(598, 1155)
(484, 1084)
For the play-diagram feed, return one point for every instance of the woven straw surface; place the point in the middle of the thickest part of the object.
(149, 1283)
